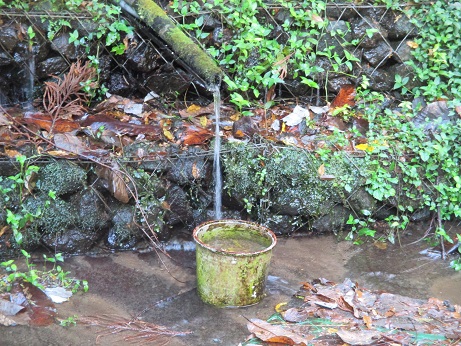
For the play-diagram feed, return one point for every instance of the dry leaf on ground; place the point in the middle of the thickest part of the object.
(271, 333)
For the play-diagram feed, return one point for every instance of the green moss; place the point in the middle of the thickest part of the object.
(90, 213)
(241, 164)
(286, 179)
(181, 44)
(55, 217)
(149, 10)
(61, 177)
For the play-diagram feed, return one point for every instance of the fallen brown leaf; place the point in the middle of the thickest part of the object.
(3, 120)
(11, 153)
(117, 185)
(308, 286)
(39, 308)
(266, 331)
(345, 96)
(194, 135)
(97, 122)
(380, 245)
(361, 337)
(70, 143)
(458, 110)
(367, 320)
(321, 170)
(412, 44)
(45, 122)
(194, 111)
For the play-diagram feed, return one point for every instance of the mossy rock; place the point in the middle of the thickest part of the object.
(125, 233)
(89, 209)
(55, 215)
(62, 177)
(241, 164)
(287, 179)
(72, 241)
(9, 248)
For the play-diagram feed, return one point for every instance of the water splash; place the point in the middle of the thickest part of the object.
(217, 157)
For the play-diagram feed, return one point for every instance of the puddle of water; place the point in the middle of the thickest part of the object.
(406, 269)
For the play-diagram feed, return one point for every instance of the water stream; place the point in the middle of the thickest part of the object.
(217, 157)
(30, 81)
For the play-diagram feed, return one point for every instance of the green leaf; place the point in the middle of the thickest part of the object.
(73, 37)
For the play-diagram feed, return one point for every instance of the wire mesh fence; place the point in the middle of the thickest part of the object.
(147, 65)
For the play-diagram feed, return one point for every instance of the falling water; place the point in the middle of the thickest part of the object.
(217, 150)
(30, 79)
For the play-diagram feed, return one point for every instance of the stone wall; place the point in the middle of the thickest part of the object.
(381, 38)
(167, 192)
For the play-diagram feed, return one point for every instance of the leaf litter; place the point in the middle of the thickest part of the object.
(103, 131)
(325, 313)
(26, 304)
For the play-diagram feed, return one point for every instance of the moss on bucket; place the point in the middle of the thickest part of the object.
(233, 259)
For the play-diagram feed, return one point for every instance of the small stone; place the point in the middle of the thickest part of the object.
(244, 127)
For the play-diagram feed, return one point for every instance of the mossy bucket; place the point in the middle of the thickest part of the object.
(233, 258)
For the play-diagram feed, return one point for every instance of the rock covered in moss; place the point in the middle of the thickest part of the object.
(9, 248)
(124, 233)
(62, 177)
(72, 240)
(286, 181)
(54, 216)
(90, 210)
(193, 169)
(242, 165)
(281, 224)
(179, 209)
(334, 220)
(150, 216)
(360, 200)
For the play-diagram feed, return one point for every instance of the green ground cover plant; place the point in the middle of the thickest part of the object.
(18, 219)
(437, 57)
(41, 278)
(254, 60)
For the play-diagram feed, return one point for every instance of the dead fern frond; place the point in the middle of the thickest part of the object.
(139, 331)
(65, 97)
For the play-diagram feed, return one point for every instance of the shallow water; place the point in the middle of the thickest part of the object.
(136, 284)
(235, 239)
(236, 244)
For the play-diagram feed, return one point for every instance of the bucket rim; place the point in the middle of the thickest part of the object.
(233, 253)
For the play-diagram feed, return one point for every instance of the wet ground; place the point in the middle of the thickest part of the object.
(129, 284)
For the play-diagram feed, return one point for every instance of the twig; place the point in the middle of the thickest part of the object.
(162, 301)
(142, 332)
(426, 234)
